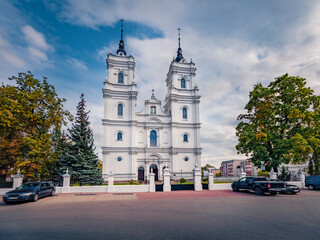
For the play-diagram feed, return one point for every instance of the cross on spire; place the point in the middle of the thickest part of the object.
(121, 20)
(179, 52)
(152, 92)
(121, 51)
(179, 36)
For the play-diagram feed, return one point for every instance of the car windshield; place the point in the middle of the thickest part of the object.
(28, 186)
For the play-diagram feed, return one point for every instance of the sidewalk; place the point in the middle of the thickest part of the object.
(189, 194)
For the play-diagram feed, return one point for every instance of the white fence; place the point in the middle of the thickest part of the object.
(111, 188)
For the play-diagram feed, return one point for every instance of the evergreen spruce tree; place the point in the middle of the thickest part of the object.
(64, 152)
(80, 157)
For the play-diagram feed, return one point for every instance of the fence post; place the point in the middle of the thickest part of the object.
(152, 186)
(110, 182)
(166, 180)
(197, 179)
(66, 182)
(303, 179)
(17, 179)
(210, 181)
(273, 175)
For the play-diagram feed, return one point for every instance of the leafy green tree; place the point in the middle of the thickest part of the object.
(277, 118)
(29, 112)
(79, 157)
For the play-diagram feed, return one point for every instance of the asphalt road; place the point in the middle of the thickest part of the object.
(220, 216)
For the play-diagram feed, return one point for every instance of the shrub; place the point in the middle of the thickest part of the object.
(263, 173)
(132, 182)
(218, 174)
(183, 180)
(285, 174)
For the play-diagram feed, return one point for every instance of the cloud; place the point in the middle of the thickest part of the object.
(77, 63)
(34, 38)
(12, 59)
(37, 45)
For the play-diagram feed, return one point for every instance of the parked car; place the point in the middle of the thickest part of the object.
(312, 182)
(291, 189)
(31, 191)
(260, 185)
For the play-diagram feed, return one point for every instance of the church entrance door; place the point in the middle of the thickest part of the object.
(141, 174)
(155, 171)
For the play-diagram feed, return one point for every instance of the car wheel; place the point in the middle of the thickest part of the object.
(235, 189)
(36, 197)
(311, 187)
(258, 191)
(53, 193)
(5, 201)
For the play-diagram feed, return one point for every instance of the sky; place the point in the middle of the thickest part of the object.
(234, 44)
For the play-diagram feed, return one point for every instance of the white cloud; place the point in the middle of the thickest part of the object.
(37, 45)
(34, 38)
(12, 59)
(77, 63)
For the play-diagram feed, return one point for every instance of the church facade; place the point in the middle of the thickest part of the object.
(159, 136)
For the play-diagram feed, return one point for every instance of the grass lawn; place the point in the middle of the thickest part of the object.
(126, 183)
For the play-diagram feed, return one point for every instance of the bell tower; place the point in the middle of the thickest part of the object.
(182, 103)
(119, 120)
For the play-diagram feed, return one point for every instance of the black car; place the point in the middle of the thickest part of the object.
(291, 189)
(31, 191)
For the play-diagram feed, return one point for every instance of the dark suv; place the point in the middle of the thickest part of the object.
(312, 182)
(31, 191)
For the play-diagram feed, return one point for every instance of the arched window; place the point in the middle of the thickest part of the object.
(120, 110)
(183, 83)
(153, 138)
(119, 159)
(119, 136)
(184, 113)
(185, 137)
(120, 78)
(186, 159)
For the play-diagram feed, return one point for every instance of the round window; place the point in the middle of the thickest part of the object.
(186, 159)
(119, 159)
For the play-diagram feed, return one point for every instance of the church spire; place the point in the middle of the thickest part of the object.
(179, 52)
(121, 50)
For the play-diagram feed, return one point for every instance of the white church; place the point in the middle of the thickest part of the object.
(159, 136)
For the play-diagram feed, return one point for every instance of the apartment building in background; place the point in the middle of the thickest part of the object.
(233, 168)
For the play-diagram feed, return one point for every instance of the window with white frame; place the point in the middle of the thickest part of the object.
(120, 77)
(183, 83)
(119, 136)
(153, 110)
(120, 110)
(184, 113)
